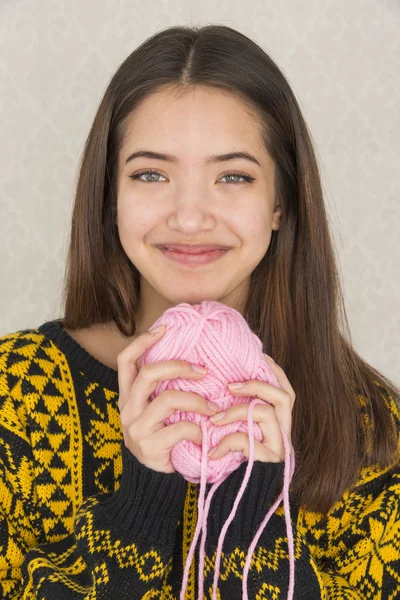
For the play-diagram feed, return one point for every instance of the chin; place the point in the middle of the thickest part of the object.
(194, 299)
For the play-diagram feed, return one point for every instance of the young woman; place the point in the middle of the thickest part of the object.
(198, 142)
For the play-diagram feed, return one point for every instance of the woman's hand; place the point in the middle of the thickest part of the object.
(145, 434)
(276, 411)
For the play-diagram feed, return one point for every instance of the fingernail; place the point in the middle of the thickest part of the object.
(234, 386)
(217, 417)
(199, 369)
(213, 406)
(157, 329)
(212, 451)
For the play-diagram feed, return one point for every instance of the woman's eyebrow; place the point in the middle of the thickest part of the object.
(214, 158)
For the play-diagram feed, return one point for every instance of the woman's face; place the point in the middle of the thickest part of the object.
(191, 200)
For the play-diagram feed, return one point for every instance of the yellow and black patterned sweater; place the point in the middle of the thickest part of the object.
(82, 518)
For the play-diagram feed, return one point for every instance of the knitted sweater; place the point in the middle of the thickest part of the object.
(81, 518)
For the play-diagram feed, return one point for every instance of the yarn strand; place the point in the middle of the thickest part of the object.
(239, 495)
(203, 540)
(288, 474)
(200, 508)
(202, 511)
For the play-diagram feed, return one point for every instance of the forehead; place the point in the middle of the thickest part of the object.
(186, 121)
(195, 99)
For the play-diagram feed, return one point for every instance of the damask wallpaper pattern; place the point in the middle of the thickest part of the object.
(342, 58)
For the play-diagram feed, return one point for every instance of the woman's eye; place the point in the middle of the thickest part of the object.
(247, 178)
(138, 176)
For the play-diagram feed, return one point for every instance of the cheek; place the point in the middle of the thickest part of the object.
(135, 216)
(254, 225)
(256, 235)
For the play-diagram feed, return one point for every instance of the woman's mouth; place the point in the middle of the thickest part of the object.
(191, 259)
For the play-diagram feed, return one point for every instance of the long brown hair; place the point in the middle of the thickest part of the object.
(295, 304)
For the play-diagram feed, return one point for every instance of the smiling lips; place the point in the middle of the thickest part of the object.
(193, 255)
(193, 249)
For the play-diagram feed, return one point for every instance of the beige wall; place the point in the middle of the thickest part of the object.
(342, 58)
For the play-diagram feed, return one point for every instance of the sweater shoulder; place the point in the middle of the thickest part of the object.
(375, 494)
(31, 366)
(28, 359)
(48, 350)
(20, 348)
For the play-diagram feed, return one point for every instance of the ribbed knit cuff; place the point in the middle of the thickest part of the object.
(148, 503)
(265, 479)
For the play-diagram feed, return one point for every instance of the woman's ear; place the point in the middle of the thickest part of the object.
(276, 217)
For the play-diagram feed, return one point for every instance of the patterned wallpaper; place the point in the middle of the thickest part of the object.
(342, 59)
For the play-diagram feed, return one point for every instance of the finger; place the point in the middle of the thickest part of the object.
(172, 434)
(127, 363)
(279, 398)
(166, 403)
(239, 412)
(282, 378)
(263, 414)
(239, 442)
(154, 450)
(146, 382)
(264, 391)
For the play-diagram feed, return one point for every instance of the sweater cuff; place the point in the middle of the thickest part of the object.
(262, 489)
(147, 503)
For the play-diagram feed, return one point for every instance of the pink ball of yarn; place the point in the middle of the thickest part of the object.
(218, 337)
